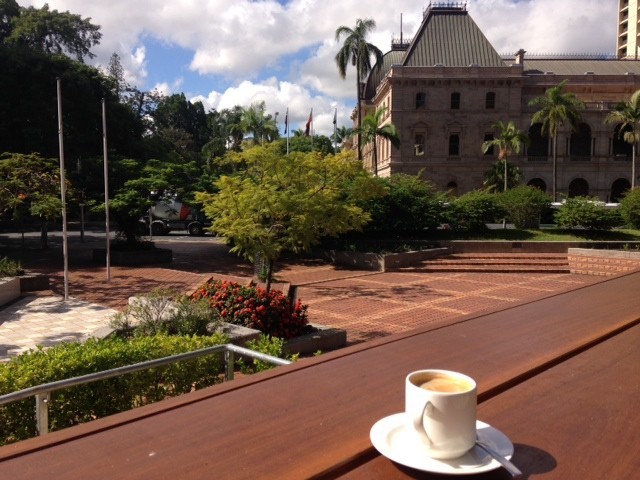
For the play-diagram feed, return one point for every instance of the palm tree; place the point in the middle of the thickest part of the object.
(494, 177)
(371, 129)
(342, 134)
(254, 120)
(508, 141)
(357, 50)
(627, 114)
(557, 107)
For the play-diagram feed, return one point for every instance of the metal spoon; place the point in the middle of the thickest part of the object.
(511, 468)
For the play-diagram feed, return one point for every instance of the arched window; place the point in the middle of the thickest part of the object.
(618, 189)
(539, 144)
(579, 187)
(455, 101)
(538, 183)
(621, 149)
(580, 144)
(490, 100)
(452, 189)
(487, 138)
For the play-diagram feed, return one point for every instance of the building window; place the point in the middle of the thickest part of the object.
(487, 138)
(421, 100)
(419, 144)
(454, 145)
(490, 100)
(455, 101)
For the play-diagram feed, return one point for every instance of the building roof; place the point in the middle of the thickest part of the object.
(449, 37)
(569, 66)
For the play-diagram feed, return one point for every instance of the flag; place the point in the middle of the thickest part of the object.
(286, 121)
(335, 117)
(308, 126)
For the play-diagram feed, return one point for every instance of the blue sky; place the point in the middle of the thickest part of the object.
(236, 52)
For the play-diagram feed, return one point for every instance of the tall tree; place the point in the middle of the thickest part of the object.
(508, 141)
(627, 116)
(284, 203)
(372, 129)
(50, 31)
(358, 51)
(115, 71)
(9, 9)
(556, 108)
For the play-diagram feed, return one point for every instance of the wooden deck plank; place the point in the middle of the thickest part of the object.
(308, 418)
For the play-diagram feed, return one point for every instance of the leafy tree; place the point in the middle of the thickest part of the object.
(301, 143)
(358, 51)
(30, 185)
(115, 72)
(556, 108)
(372, 128)
(508, 141)
(50, 31)
(286, 203)
(627, 115)
(524, 205)
(9, 9)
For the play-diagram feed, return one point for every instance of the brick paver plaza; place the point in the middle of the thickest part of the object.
(366, 304)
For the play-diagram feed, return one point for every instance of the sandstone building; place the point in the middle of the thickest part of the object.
(447, 87)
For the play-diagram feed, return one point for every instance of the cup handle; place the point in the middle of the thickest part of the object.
(418, 424)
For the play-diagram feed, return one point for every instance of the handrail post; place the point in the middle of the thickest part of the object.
(229, 362)
(42, 412)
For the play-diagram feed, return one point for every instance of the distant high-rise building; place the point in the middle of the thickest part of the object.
(628, 29)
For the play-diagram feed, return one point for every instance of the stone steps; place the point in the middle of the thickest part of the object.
(495, 263)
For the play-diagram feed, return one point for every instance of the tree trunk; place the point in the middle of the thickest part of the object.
(633, 165)
(359, 111)
(554, 167)
(44, 235)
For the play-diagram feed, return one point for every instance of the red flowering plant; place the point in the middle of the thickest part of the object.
(251, 306)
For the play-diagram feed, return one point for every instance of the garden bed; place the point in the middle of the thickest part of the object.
(9, 289)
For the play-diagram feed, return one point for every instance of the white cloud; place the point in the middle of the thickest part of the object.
(284, 54)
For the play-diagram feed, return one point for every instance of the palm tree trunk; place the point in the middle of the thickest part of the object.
(359, 110)
(505, 173)
(633, 165)
(555, 167)
(375, 158)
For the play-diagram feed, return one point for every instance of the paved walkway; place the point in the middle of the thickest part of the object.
(366, 304)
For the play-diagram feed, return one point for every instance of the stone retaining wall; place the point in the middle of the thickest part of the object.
(588, 261)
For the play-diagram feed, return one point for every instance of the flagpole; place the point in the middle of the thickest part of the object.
(106, 190)
(63, 194)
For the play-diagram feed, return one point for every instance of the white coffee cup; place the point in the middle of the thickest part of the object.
(440, 407)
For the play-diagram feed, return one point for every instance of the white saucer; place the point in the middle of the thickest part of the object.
(392, 440)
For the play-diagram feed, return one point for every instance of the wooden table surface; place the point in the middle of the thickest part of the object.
(536, 365)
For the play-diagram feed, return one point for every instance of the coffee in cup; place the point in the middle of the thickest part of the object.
(440, 408)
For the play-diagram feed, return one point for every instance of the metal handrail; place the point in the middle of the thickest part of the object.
(43, 392)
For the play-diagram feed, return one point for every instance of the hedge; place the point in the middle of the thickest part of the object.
(98, 399)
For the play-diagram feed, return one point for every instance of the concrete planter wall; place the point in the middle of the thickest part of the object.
(383, 262)
(9, 289)
(133, 258)
(501, 246)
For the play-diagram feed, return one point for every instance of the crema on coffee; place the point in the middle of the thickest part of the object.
(446, 384)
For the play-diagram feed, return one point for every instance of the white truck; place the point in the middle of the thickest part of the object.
(168, 215)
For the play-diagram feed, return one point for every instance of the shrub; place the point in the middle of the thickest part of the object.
(630, 208)
(273, 346)
(411, 205)
(270, 312)
(98, 399)
(10, 268)
(473, 210)
(587, 213)
(524, 205)
(165, 311)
